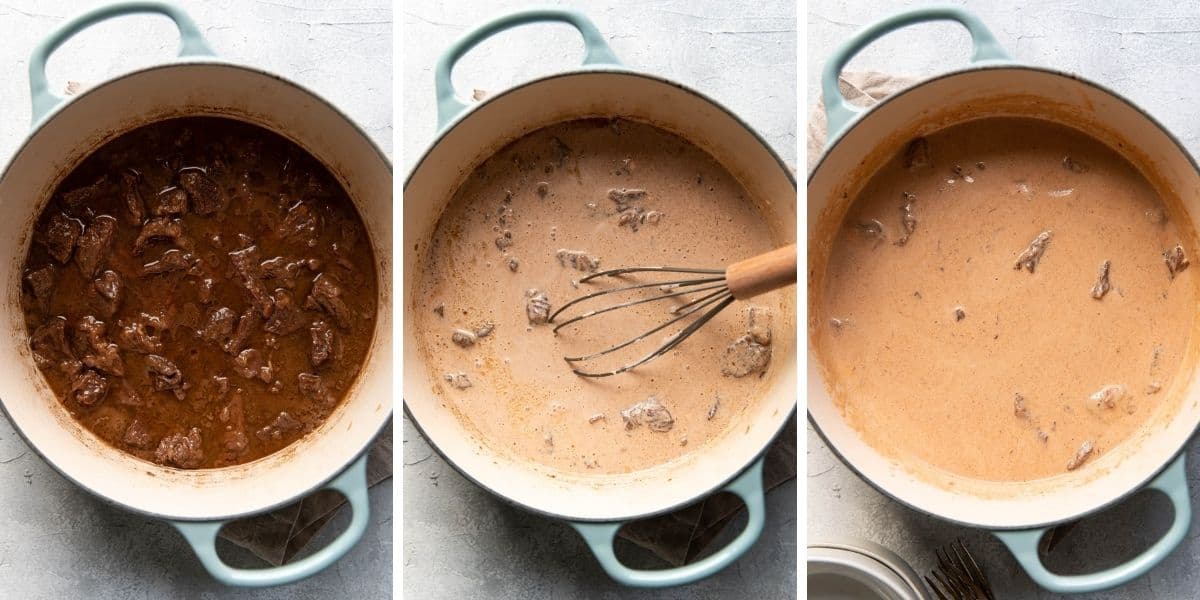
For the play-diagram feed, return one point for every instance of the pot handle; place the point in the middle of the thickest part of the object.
(202, 536)
(838, 112)
(1024, 544)
(600, 537)
(191, 44)
(450, 105)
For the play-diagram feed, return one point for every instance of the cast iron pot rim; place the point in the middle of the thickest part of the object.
(37, 128)
(1119, 498)
(467, 113)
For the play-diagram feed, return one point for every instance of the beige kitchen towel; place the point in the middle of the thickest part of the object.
(860, 89)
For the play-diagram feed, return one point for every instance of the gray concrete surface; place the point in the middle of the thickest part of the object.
(460, 542)
(57, 541)
(1148, 51)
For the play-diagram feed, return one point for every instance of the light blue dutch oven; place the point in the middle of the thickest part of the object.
(1019, 514)
(596, 506)
(197, 503)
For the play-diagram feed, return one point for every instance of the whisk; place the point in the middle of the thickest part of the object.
(717, 289)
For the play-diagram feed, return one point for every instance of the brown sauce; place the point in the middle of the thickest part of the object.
(199, 292)
(999, 304)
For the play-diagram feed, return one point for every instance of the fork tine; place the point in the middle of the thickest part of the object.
(936, 590)
(951, 588)
(977, 573)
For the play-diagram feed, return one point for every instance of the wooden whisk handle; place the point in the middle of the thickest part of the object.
(763, 273)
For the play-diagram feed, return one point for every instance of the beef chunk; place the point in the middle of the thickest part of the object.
(95, 244)
(327, 295)
(464, 338)
(282, 271)
(312, 388)
(62, 232)
(624, 197)
(162, 228)
(577, 259)
(111, 289)
(246, 262)
(137, 435)
(89, 387)
(41, 282)
(300, 223)
(143, 334)
(101, 354)
(286, 318)
(745, 356)
(649, 412)
(165, 376)
(170, 202)
(172, 260)
(49, 343)
(325, 344)
(281, 426)
(204, 289)
(181, 450)
(87, 195)
(247, 323)
(537, 306)
(458, 380)
(207, 197)
(218, 326)
(250, 364)
(132, 195)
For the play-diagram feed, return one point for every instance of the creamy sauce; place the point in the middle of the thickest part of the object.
(928, 343)
(500, 237)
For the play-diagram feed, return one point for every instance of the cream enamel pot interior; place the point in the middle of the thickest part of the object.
(595, 505)
(197, 502)
(859, 142)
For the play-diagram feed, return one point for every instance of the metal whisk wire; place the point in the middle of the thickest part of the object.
(717, 289)
(718, 298)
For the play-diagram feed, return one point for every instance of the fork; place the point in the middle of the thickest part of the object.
(957, 576)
